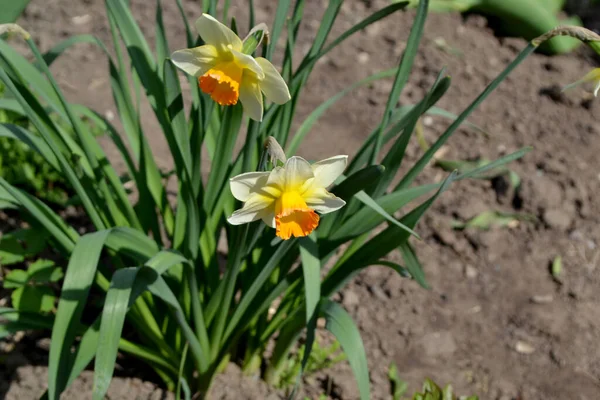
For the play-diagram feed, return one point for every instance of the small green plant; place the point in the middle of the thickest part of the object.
(320, 358)
(32, 293)
(431, 391)
(25, 168)
(397, 386)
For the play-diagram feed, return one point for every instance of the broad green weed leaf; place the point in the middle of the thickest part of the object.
(15, 279)
(36, 299)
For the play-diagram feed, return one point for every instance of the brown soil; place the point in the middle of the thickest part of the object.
(495, 322)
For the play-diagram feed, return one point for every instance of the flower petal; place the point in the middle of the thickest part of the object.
(322, 201)
(328, 170)
(248, 62)
(215, 33)
(253, 209)
(273, 85)
(251, 99)
(195, 61)
(297, 172)
(241, 185)
(268, 218)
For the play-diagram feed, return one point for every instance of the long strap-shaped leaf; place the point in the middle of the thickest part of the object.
(340, 323)
(408, 58)
(124, 289)
(78, 280)
(111, 326)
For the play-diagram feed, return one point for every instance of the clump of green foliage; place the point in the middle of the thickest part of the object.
(27, 169)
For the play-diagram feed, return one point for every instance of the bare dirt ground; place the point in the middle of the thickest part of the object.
(495, 323)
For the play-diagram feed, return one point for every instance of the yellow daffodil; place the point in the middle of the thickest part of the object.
(592, 77)
(288, 198)
(226, 73)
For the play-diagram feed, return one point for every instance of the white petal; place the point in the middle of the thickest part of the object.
(241, 185)
(248, 62)
(596, 89)
(215, 33)
(195, 61)
(277, 178)
(297, 172)
(273, 85)
(251, 99)
(268, 218)
(323, 202)
(252, 210)
(328, 170)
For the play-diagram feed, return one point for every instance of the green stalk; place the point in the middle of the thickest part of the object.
(233, 269)
(197, 310)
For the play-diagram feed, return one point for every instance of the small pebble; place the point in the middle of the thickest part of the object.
(524, 348)
(542, 299)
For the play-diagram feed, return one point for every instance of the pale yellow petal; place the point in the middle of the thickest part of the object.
(322, 201)
(273, 85)
(195, 61)
(268, 217)
(252, 210)
(297, 173)
(215, 33)
(251, 99)
(242, 185)
(328, 170)
(248, 62)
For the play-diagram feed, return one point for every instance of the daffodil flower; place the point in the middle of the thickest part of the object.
(288, 198)
(226, 73)
(592, 77)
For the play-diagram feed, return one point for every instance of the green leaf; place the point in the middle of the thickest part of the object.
(369, 202)
(78, 280)
(54, 224)
(398, 386)
(340, 324)
(15, 246)
(413, 264)
(367, 218)
(278, 23)
(308, 62)
(408, 57)
(11, 10)
(14, 321)
(15, 279)
(378, 246)
(311, 267)
(44, 271)
(111, 326)
(37, 299)
(360, 180)
(232, 120)
(423, 161)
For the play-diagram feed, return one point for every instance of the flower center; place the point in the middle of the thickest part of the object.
(293, 217)
(222, 83)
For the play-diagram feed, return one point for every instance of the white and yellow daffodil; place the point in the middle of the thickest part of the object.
(226, 73)
(288, 198)
(592, 77)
